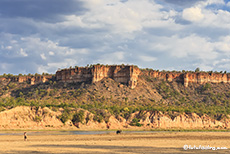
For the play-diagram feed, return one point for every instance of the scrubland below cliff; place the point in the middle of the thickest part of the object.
(108, 104)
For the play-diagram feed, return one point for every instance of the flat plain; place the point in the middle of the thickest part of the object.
(126, 143)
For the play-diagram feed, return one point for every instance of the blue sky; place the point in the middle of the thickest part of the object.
(44, 35)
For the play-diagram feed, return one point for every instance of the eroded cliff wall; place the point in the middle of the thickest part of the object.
(120, 73)
(203, 77)
(189, 77)
(24, 117)
(123, 74)
(29, 79)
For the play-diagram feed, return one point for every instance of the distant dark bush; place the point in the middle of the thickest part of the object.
(78, 117)
(135, 122)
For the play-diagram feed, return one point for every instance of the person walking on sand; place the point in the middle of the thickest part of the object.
(25, 136)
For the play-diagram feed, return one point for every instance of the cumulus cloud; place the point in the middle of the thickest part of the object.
(37, 54)
(120, 17)
(192, 14)
(170, 34)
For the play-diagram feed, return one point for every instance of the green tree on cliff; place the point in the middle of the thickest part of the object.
(197, 69)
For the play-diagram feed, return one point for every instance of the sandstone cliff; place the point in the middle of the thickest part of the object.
(122, 74)
(203, 77)
(129, 75)
(31, 118)
(158, 120)
(125, 74)
(29, 79)
(23, 117)
(191, 77)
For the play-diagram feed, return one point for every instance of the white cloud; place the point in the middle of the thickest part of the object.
(48, 46)
(120, 17)
(112, 32)
(9, 47)
(193, 14)
(51, 53)
(23, 53)
(77, 51)
(211, 2)
(217, 19)
(223, 45)
(201, 14)
(147, 58)
(65, 63)
(52, 66)
(192, 46)
(43, 56)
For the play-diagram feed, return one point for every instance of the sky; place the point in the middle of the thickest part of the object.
(45, 35)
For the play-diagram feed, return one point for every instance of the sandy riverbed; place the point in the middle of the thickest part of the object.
(150, 143)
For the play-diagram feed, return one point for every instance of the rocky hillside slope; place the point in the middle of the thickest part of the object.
(109, 100)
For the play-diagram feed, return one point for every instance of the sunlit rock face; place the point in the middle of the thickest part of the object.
(29, 79)
(189, 77)
(129, 75)
(120, 73)
(203, 77)
(125, 74)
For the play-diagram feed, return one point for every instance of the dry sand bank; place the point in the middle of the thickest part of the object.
(158, 142)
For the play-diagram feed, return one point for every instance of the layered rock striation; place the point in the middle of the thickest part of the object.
(189, 77)
(29, 79)
(203, 77)
(120, 73)
(125, 74)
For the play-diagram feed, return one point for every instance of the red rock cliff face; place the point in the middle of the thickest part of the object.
(30, 79)
(122, 74)
(191, 77)
(202, 77)
(129, 75)
(166, 76)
